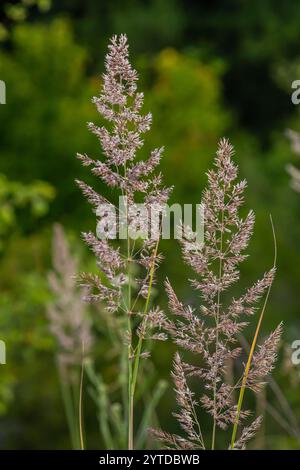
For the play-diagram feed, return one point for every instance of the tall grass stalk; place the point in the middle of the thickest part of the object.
(252, 348)
(70, 410)
(80, 406)
(114, 286)
(70, 327)
(210, 331)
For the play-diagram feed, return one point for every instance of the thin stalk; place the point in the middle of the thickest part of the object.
(289, 416)
(217, 331)
(247, 368)
(129, 329)
(200, 435)
(140, 342)
(130, 400)
(130, 419)
(75, 390)
(69, 410)
(80, 413)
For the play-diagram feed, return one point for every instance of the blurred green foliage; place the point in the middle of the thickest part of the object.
(15, 196)
(207, 70)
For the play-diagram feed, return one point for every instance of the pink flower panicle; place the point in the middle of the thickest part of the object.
(68, 318)
(120, 104)
(211, 332)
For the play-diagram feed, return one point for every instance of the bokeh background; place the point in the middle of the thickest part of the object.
(208, 70)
